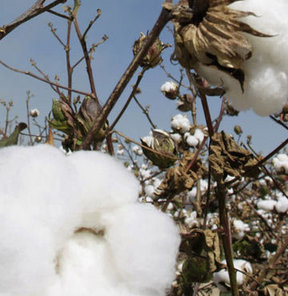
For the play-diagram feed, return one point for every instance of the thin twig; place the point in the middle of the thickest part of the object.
(92, 23)
(86, 54)
(133, 92)
(145, 111)
(44, 80)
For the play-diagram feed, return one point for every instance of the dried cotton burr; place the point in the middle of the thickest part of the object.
(241, 46)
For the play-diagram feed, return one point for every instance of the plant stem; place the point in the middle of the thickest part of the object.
(226, 236)
(163, 19)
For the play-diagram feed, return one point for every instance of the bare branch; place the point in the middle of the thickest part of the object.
(163, 19)
(32, 12)
(44, 80)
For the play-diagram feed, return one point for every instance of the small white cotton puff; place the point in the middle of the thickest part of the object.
(222, 276)
(266, 205)
(143, 242)
(282, 204)
(280, 163)
(180, 123)
(239, 229)
(266, 72)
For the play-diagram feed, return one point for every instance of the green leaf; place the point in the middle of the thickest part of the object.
(13, 138)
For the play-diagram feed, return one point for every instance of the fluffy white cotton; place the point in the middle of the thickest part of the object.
(239, 229)
(266, 205)
(148, 234)
(266, 72)
(105, 182)
(282, 204)
(280, 163)
(180, 123)
(45, 196)
(222, 276)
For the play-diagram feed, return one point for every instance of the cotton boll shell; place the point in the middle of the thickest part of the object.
(144, 243)
(105, 182)
(266, 72)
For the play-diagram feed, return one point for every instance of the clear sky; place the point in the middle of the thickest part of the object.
(122, 21)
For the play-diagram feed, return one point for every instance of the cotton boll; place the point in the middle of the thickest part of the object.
(266, 72)
(192, 141)
(282, 204)
(239, 228)
(105, 182)
(222, 277)
(144, 243)
(266, 205)
(198, 134)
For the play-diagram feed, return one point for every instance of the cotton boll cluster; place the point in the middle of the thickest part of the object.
(280, 163)
(266, 72)
(221, 278)
(71, 224)
(180, 123)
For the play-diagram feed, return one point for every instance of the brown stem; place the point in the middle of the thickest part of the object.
(226, 236)
(273, 260)
(68, 64)
(163, 19)
(32, 12)
(134, 90)
(87, 57)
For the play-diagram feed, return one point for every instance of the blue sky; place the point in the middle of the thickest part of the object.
(122, 21)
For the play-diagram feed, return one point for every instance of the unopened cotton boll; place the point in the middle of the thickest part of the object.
(266, 72)
(144, 243)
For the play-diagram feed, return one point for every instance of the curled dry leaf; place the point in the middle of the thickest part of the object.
(228, 158)
(214, 37)
(177, 179)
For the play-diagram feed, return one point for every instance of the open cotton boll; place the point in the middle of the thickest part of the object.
(266, 72)
(266, 205)
(221, 278)
(282, 204)
(105, 182)
(144, 244)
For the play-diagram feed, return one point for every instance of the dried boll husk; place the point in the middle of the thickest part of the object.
(153, 57)
(214, 37)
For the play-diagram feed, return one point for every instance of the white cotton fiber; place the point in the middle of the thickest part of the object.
(266, 72)
(144, 244)
(104, 181)
(46, 197)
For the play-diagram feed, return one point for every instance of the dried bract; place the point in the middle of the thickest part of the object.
(214, 37)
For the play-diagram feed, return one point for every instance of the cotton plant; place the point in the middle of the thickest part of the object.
(72, 225)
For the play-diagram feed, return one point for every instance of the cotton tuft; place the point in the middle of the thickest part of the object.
(71, 224)
(266, 72)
